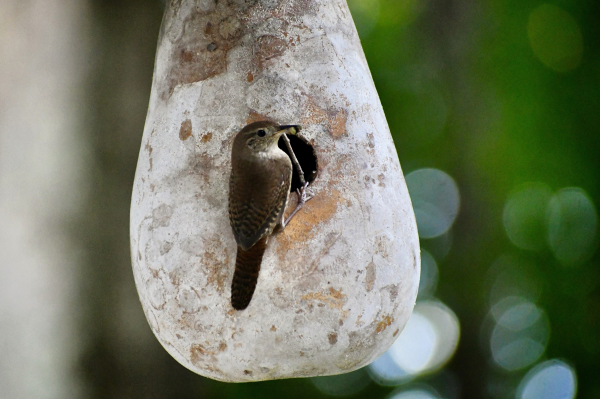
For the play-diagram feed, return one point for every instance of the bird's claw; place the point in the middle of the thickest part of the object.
(303, 194)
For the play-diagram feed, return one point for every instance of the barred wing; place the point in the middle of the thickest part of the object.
(258, 193)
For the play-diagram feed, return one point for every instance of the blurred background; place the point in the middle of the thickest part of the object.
(494, 107)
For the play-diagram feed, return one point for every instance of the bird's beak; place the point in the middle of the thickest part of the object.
(289, 129)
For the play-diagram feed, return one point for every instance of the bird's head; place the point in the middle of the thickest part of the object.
(262, 136)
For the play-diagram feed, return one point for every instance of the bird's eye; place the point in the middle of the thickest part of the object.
(261, 133)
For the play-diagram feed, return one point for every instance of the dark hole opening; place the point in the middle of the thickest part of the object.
(307, 159)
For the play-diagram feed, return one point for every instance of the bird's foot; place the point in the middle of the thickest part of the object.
(304, 195)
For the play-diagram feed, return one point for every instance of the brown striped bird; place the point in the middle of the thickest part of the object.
(261, 176)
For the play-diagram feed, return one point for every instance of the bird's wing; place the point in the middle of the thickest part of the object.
(257, 195)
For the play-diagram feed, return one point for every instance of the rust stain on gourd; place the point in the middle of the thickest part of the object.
(254, 116)
(382, 325)
(217, 274)
(195, 57)
(199, 353)
(370, 277)
(185, 131)
(333, 118)
(334, 299)
(216, 265)
(206, 138)
(333, 338)
(318, 210)
(337, 123)
(266, 48)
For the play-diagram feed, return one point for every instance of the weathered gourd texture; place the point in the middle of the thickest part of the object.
(337, 286)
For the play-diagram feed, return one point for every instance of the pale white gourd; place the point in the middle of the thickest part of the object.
(337, 286)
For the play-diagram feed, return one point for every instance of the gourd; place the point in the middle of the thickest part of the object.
(337, 286)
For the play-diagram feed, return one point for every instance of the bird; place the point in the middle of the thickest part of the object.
(259, 187)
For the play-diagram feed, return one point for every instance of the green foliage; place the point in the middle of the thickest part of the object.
(498, 94)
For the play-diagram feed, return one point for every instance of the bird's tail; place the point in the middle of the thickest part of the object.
(247, 266)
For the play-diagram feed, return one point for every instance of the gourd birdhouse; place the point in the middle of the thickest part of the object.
(335, 286)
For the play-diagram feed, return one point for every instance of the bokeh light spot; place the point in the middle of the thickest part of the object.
(520, 316)
(435, 200)
(414, 394)
(572, 222)
(550, 380)
(385, 371)
(447, 328)
(438, 246)
(427, 342)
(520, 335)
(555, 38)
(415, 347)
(524, 215)
(342, 384)
(519, 353)
(429, 275)
(511, 276)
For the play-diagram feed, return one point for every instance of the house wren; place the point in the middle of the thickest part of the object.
(261, 175)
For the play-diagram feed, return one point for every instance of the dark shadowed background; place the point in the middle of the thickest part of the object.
(494, 108)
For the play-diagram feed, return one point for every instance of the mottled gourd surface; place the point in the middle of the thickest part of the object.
(337, 286)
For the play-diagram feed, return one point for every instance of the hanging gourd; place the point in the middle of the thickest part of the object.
(232, 287)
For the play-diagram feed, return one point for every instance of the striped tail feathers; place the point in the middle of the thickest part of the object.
(247, 266)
